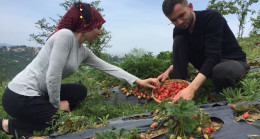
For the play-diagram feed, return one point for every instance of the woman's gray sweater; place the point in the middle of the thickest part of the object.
(59, 58)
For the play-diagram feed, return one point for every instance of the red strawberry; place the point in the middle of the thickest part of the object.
(136, 89)
(212, 129)
(208, 131)
(142, 136)
(203, 131)
(153, 125)
(191, 138)
(246, 115)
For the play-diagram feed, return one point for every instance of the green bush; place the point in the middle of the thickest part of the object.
(145, 66)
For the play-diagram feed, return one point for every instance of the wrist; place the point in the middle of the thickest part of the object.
(197, 82)
(193, 88)
(137, 81)
(170, 69)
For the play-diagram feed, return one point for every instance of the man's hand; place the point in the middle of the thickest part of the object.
(165, 75)
(185, 94)
(189, 92)
(64, 105)
(150, 82)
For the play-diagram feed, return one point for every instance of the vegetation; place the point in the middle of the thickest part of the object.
(14, 59)
(256, 25)
(242, 14)
(222, 6)
(238, 7)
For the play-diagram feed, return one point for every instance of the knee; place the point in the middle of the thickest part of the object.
(82, 90)
(222, 76)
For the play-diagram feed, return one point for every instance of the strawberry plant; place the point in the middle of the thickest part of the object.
(104, 119)
(184, 119)
(111, 134)
(246, 90)
(119, 134)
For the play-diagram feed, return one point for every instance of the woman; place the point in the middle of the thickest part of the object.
(36, 93)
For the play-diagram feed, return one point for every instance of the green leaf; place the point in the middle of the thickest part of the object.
(188, 111)
(177, 111)
(166, 124)
(189, 124)
(187, 104)
(122, 132)
(99, 135)
(170, 122)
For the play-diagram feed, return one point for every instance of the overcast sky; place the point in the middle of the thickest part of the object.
(132, 23)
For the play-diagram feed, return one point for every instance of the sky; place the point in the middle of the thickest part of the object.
(133, 24)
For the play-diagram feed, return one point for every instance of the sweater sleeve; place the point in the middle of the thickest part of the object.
(59, 53)
(97, 63)
(213, 30)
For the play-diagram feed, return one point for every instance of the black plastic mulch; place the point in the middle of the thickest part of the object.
(221, 110)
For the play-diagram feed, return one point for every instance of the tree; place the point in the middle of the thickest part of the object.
(238, 7)
(256, 24)
(223, 7)
(47, 28)
(137, 52)
(242, 13)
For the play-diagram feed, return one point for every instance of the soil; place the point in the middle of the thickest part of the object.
(254, 115)
(155, 133)
(107, 94)
(216, 122)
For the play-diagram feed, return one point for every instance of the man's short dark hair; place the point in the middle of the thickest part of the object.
(168, 5)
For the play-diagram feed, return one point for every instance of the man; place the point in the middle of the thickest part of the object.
(204, 39)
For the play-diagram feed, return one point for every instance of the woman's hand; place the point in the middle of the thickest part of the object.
(64, 105)
(150, 82)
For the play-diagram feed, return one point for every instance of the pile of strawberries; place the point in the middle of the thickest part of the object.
(169, 89)
(207, 132)
(140, 93)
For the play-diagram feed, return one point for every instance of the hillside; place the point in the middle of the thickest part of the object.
(14, 59)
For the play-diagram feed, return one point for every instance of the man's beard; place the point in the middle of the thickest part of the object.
(191, 18)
